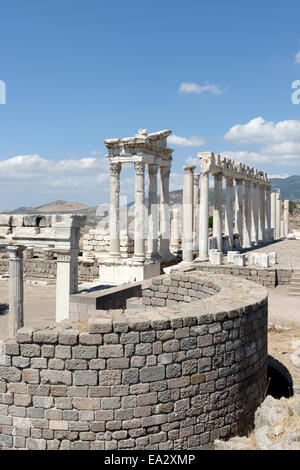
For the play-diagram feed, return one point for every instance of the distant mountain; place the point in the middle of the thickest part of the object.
(289, 187)
(56, 206)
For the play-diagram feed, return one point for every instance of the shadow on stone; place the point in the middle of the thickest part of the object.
(4, 309)
(280, 382)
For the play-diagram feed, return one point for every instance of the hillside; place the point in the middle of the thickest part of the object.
(289, 187)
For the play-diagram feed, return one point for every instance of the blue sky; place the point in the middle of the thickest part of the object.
(80, 71)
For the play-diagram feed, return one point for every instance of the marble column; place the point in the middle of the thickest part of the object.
(278, 215)
(174, 243)
(153, 213)
(268, 213)
(229, 211)
(217, 212)
(16, 294)
(164, 250)
(286, 205)
(203, 216)
(187, 218)
(254, 210)
(239, 209)
(262, 214)
(196, 212)
(247, 215)
(273, 212)
(139, 214)
(66, 281)
(114, 214)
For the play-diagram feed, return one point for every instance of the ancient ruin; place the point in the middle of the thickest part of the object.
(168, 349)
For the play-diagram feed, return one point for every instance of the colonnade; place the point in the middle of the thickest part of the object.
(247, 205)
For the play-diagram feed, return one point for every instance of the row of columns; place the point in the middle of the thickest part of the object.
(158, 213)
(278, 223)
(251, 209)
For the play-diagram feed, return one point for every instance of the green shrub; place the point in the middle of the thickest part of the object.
(292, 206)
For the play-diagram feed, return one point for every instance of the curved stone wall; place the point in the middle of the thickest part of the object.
(174, 377)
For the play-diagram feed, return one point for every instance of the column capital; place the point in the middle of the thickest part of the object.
(238, 180)
(218, 176)
(16, 251)
(196, 179)
(165, 171)
(115, 168)
(139, 168)
(189, 169)
(63, 255)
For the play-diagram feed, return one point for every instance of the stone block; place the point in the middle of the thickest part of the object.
(56, 377)
(68, 337)
(151, 374)
(239, 260)
(10, 374)
(85, 377)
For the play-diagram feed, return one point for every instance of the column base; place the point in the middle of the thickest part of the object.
(200, 259)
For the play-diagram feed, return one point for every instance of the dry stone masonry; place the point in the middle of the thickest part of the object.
(173, 377)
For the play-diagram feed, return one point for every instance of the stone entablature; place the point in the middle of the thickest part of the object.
(56, 231)
(165, 379)
(213, 163)
(143, 147)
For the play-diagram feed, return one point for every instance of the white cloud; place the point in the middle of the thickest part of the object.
(193, 141)
(192, 161)
(280, 142)
(259, 131)
(96, 152)
(282, 176)
(297, 58)
(187, 87)
(36, 171)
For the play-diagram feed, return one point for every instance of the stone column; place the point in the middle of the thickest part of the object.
(164, 213)
(196, 212)
(174, 244)
(66, 281)
(268, 212)
(153, 213)
(229, 211)
(114, 214)
(273, 211)
(278, 215)
(187, 217)
(239, 209)
(262, 214)
(16, 294)
(254, 210)
(203, 216)
(247, 216)
(139, 215)
(286, 205)
(217, 213)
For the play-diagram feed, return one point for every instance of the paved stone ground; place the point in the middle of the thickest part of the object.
(39, 305)
(288, 252)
